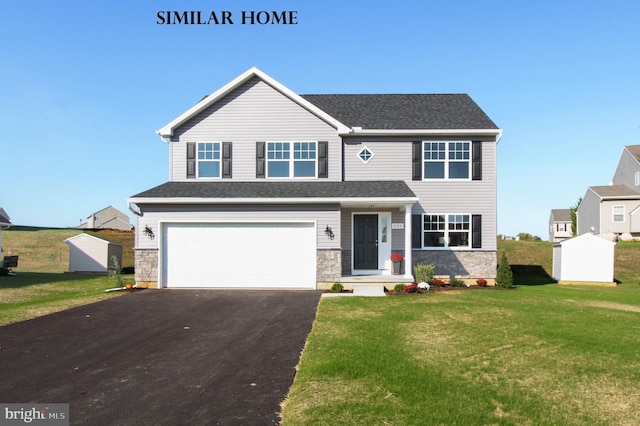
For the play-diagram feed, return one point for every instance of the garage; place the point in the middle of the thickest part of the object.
(238, 255)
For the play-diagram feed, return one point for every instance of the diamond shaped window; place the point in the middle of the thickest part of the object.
(365, 155)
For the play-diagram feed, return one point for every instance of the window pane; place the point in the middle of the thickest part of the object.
(278, 168)
(434, 170)
(434, 239)
(458, 169)
(208, 169)
(304, 169)
(458, 239)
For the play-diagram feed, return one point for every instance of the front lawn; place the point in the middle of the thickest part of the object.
(32, 294)
(536, 355)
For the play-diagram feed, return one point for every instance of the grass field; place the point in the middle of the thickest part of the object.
(539, 354)
(40, 286)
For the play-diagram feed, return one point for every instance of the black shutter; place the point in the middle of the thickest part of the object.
(476, 231)
(416, 231)
(226, 160)
(323, 159)
(260, 159)
(476, 160)
(191, 160)
(416, 160)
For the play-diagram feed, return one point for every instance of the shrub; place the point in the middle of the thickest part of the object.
(337, 288)
(423, 272)
(481, 282)
(505, 275)
(456, 282)
(411, 288)
(399, 287)
(439, 282)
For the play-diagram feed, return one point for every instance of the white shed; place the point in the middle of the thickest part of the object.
(585, 259)
(92, 254)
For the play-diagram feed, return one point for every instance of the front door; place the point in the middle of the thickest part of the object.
(365, 241)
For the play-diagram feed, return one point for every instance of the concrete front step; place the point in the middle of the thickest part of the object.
(374, 290)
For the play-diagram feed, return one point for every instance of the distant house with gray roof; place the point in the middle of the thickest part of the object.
(560, 225)
(107, 218)
(5, 222)
(613, 211)
(268, 188)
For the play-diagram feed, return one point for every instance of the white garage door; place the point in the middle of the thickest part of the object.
(240, 255)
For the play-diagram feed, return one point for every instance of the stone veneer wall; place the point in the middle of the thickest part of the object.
(146, 267)
(461, 264)
(328, 265)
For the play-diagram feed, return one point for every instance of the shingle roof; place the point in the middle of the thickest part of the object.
(4, 217)
(409, 111)
(561, 215)
(612, 191)
(315, 189)
(635, 151)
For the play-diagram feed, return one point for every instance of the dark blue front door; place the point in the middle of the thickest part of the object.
(365, 241)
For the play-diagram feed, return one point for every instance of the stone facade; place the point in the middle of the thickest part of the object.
(146, 267)
(460, 264)
(328, 265)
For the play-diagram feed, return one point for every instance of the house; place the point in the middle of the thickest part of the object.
(107, 218)
(585, 259)
(92, 254)
(5, 222)
(269, 188)
(613, 211)
(560, 225)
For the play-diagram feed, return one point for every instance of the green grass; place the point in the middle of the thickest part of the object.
(540, 354)
(31, 294)
(44, 250)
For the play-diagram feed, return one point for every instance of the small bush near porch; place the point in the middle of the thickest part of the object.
(539, 355)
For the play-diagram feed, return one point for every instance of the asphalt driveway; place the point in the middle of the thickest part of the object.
(162, 357)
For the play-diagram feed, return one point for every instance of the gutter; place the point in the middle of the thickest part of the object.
(359, 131)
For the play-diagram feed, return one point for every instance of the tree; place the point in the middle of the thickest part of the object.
(574, 217)
(505, 275)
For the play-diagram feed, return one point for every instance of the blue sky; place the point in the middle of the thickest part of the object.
(85, 85)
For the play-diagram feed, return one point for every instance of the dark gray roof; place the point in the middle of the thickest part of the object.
(4, 217)
(315, 189)
(410, 111)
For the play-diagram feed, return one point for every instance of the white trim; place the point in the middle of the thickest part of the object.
(357, 131)
(359, 153)
(291, 160)
(447, 161)
(167, 130)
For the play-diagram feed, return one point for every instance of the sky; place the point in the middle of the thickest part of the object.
(84, 85)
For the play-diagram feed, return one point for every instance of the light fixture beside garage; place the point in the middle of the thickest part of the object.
(148, 232)
(329, 232)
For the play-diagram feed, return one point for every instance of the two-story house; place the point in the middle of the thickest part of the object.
(107, 218)
(269, 188)
(560, 225)
(613, 211)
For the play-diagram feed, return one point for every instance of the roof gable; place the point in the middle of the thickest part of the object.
(634, 150)
(614, 191)
(4, 217)
(561, 215)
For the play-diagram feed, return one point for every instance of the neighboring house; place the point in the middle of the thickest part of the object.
(560, 225)
(584, 259)
(268, 188)
(5, 222)
(92, 254)
(107, 218)
(613, 211)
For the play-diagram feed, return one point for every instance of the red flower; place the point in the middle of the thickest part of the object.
(411, 288)
(481, 282)
(438, 281)
(397, 257)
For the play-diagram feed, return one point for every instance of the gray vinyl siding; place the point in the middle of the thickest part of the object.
(589, 213)
(608, 226)
(324, 215)
(626, 170)
(392, 160)
(254, 112)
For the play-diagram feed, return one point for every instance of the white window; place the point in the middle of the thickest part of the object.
(291, 159)
(618, 214)
(446, 160)
(365, 155)
(562, 227)
(208, 159)
(446, 230)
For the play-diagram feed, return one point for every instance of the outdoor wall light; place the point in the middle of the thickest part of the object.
(148, 232)
(329, 232)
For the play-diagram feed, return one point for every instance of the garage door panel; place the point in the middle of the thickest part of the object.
(244, 255)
